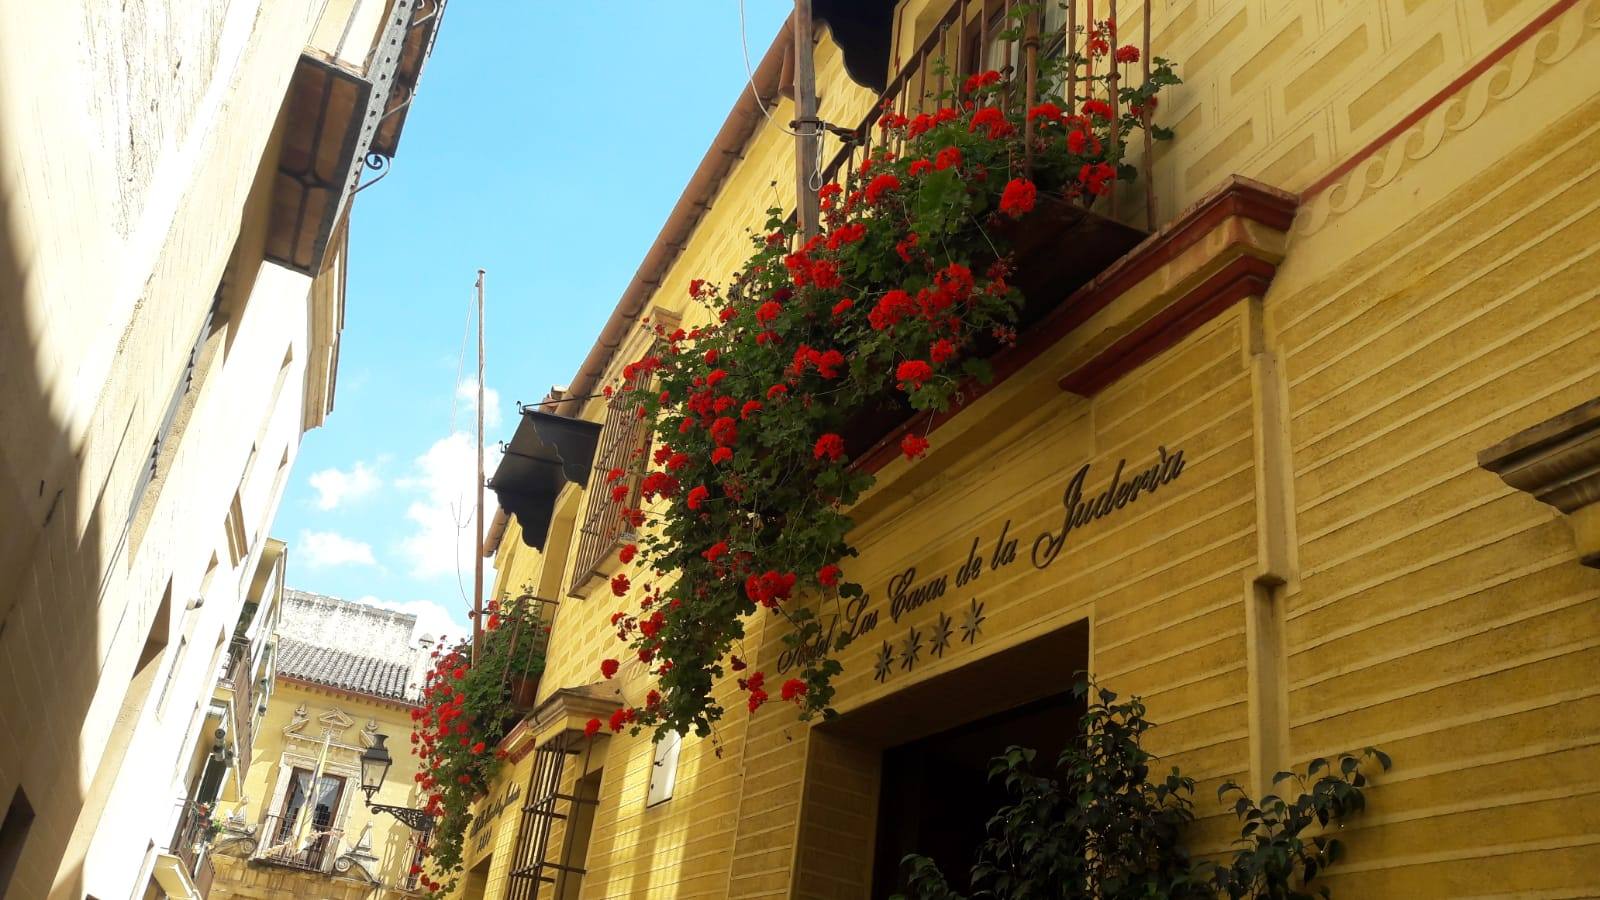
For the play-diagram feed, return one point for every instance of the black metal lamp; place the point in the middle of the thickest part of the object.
(375, 762)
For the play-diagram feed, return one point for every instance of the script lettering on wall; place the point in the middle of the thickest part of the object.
(909, 590)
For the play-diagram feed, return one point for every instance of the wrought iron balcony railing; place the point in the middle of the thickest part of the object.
(311, 848)
(961, 43)
(191, 844)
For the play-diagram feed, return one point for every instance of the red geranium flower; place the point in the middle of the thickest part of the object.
(830, 447)
(1127, 54)
(1098, 108)
(619, 584)
(920, 167)
(828, 575)
(776, 391)
(881, 185)
(793, 688)
(913, 445)
(715, 551)
(946, 158)
(912, 374)
(721, 455)
(993, 119)
(1047, 111)
(608, 667)
(696, 497)
(1096, 178)
(842, 307)
(627, 553)
(1018, 198)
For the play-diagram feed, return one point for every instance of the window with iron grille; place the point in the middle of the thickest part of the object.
(545, 856)
(624, 444)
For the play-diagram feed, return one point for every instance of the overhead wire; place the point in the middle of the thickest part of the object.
(814, 181)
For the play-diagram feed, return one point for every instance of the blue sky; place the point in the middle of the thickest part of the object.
(547, 145)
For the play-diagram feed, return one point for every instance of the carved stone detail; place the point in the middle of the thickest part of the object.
(1558, 462)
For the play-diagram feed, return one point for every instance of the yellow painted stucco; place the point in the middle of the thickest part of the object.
(241, 874)
(1330, 570)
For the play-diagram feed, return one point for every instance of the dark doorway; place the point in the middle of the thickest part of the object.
(936, 794)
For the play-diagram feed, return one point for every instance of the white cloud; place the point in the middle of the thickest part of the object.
(433, 620)
(467, 393)
(334, 486)
(441, 539)
(321, 549)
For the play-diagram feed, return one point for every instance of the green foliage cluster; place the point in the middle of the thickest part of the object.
(1100, 827)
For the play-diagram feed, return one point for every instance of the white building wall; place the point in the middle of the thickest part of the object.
(131, 132)
(141, 805)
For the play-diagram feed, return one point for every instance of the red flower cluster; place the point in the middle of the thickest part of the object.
(881, 185)
(1018, 198)
(829, 447)
(769, 588)
(753, 407)
(913, 374)
(981, 80)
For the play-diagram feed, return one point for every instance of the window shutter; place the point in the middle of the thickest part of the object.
(624, 444)
(664, 770)
(604, 525)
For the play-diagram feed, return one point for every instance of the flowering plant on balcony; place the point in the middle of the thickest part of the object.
(757, 416)
(467, 708)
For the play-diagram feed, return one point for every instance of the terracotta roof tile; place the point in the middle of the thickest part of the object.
(346, 671)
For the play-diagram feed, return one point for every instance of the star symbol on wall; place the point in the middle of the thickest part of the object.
(910, 649)
(972, 622)
(884, 664)
(939, 638)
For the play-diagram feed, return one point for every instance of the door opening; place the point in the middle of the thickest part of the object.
(936, 794)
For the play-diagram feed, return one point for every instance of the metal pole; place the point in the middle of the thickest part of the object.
(1111, 96)
(477, 526)
(806, 125)
(1030, 55)
(1149, 150)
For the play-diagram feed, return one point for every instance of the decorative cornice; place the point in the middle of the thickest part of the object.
(1512, 66)
(563, 712)
(1558, 462)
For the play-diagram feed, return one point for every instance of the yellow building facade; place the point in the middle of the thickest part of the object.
(1354, 373)
(298, 824)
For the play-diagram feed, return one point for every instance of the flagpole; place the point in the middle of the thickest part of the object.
(477, 527)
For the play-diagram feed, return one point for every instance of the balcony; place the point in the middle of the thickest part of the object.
(185, 871)
(236, 683)
(1075, 256)
(311, 849)
(1066, 243)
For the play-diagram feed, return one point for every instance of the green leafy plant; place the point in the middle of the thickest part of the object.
(1276, 857)
(760, 416)
(1099, 827)
(468, 707)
